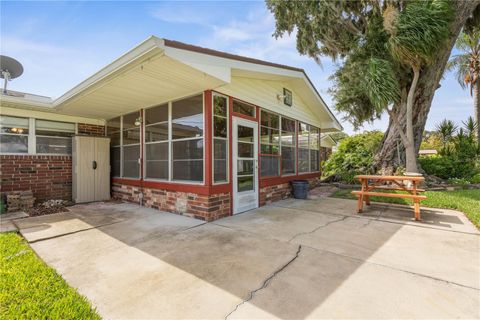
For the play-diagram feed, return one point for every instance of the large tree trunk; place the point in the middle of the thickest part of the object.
(387, 157)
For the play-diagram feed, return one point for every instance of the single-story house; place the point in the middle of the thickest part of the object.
(192, 130)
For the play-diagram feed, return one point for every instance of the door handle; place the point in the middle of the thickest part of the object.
(94, 164)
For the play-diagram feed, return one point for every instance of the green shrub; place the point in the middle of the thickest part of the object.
(353, 156)
(438, 166)
(475, 178)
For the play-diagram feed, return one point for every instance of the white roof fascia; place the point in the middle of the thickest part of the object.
(30, 102)
(143, 48)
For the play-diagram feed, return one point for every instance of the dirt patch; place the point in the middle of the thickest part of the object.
(48, 207)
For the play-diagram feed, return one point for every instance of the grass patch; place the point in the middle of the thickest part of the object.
(467, 201)
(29, 289)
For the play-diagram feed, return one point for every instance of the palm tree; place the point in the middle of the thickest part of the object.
(470, 126)
(467, 66)
(414, 37)
(446, 130)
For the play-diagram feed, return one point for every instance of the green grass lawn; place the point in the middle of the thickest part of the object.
(29, 289)
(467, 201)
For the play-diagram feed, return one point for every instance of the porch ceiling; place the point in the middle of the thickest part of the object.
(152, 80)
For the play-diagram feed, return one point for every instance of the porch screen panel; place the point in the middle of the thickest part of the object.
(130, 146)
(187, 139)
(156, 142)
(314, 142)
(13, 134)
(303, 148)
(269, 144)
(288, 143)
(114, 132)
(220, 138)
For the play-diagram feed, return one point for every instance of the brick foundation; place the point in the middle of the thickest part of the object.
(282, 191)
(203, 207)
(47, 176)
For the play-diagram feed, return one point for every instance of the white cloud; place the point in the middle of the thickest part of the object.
(184, 15)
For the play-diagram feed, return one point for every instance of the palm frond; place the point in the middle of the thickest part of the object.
(460, 65)
(381, 83)
(420, 29)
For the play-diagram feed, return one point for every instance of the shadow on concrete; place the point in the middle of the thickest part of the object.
(237, 254)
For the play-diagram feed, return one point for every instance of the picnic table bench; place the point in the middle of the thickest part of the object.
(370, 183)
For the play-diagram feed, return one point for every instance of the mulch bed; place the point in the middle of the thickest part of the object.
(48, 207)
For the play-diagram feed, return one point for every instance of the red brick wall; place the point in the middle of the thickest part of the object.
(274, 193)
(208, 208)
(91, 129)
(49, 177)
(278, 192)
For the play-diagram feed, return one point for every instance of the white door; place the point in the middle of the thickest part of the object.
(245, 165)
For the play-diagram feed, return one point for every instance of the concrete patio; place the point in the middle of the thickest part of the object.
(292, 260)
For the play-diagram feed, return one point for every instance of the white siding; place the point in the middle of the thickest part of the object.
(263, 93)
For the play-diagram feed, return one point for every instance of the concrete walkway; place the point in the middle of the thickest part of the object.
(292, 260)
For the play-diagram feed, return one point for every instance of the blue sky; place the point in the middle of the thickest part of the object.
(60, 43)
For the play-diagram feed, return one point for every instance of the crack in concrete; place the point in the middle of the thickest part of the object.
(68, 233)
(193, 227)
(381, 219)
(265, 282)
(317, 228)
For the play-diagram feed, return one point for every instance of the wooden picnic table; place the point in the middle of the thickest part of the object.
(409, 184)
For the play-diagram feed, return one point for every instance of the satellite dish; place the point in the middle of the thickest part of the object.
(9, 69)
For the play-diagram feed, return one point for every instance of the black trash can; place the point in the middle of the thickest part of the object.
(300, 189)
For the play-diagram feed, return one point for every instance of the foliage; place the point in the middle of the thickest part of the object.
(446, 130)
(419, 30)
(475, 178)
(467, 64)
(438, 166)
(467, 201)
(353, 156)
(372, 39)
(29, 289)
(431, 141)
(459, 157)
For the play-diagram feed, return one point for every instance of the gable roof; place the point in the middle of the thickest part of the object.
(159, 70)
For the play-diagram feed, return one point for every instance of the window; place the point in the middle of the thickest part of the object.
(220, 138)
(308, 148)
(269, 144)
(243, 108)
(54, 137)
(314, 149)
(113, 131)
(303, 145)
(35, 136)
(187, 139)
(156, 142)
(288, 143)
(13, 134)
